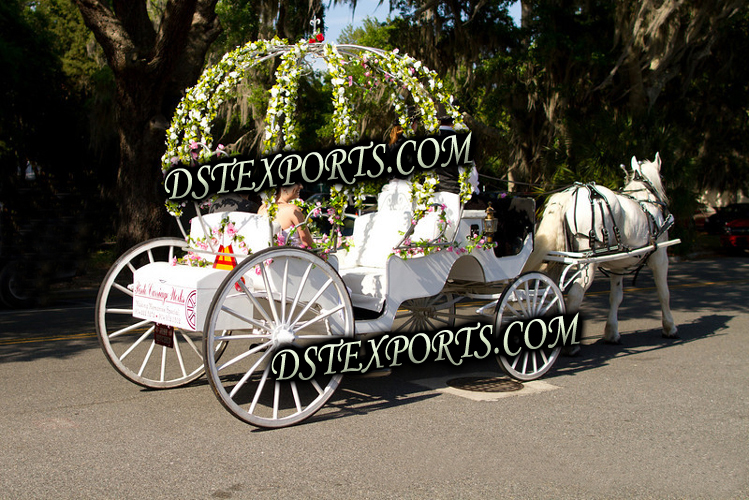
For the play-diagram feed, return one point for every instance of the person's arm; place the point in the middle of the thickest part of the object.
(304, 234)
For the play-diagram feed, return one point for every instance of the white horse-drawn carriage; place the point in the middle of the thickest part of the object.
(162, 322)
(157, 320)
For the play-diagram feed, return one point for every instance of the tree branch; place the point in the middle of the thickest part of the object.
(204, 29)
(134, 18)
(172, 36)
(109, 32)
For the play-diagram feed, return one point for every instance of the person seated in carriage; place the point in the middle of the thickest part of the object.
(289, 216)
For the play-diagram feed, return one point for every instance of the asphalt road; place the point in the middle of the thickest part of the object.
(651, 418)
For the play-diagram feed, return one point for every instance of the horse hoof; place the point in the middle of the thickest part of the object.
(571, 351)
(612, 342)
(671, 336)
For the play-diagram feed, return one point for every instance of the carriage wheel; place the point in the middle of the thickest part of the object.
(426, 314)
(531, 295)
(128, 342)
(278, 297)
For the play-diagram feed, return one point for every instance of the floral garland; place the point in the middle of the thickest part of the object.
(225, 234)
(197, 111)
(283, 99)
(343, 121)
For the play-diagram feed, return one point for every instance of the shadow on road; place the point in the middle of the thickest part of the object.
(599, 353)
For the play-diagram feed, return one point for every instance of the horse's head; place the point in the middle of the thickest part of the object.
(648, 174)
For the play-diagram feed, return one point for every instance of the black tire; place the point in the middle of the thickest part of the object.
(16, 291)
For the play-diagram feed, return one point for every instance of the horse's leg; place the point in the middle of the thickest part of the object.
(658, 263)
(574, 299)
(611, 331)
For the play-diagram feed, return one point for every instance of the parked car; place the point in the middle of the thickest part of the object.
(716, 222)
(736, 235)
(43, 238)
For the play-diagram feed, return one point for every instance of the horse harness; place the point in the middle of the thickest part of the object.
(602, 246)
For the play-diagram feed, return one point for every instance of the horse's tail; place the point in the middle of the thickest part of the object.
(551, 234)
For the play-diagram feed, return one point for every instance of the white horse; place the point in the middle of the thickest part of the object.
(590, 217)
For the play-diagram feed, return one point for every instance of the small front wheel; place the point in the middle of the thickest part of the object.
(274, 299)
(531, 295)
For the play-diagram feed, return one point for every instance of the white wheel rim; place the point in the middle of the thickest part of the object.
(531, 295)
(293, 298)
(128, 342)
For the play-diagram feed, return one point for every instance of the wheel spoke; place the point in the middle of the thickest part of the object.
(276, 394)
(269, 293)
(244, 355)
(259, 389)
(123, 289)
(410, 320)
(137, 343)
(543, 299)
(313, 300)
(192, 345)
(246, 319)
(283, 289)
(254, 301)
(145, 360)
(546, 309)
(319, 317)
(295, 393)
(249, 373)
(253, 336)
(130, 328)
(178, 352)
(302, 282)
(163, 363)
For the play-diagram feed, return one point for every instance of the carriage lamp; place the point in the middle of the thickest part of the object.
(490, 224)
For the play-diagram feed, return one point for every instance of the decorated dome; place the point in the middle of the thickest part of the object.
(409, 82)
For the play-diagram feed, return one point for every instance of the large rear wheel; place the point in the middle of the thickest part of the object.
(274, 299)
(129, 343)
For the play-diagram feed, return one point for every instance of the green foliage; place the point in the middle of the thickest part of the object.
(372, 33)
(240, 23)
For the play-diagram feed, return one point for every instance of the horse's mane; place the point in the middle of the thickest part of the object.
(651, 171)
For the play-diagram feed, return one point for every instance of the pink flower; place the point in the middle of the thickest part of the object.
(449, 249)
(174, 261)
(281, 239)
(231, 230)
(257, 270)
(350, 80)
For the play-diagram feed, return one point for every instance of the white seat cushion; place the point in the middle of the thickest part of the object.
(254, 228)
(366, 286)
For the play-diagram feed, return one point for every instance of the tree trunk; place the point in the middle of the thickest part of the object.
(152, 67)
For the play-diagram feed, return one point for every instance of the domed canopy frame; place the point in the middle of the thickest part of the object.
(194, 117)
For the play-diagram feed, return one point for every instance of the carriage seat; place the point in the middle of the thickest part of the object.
(257, 232)
(363, 267)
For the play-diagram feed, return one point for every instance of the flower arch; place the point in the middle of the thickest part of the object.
(190, 135)
(194, 117)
